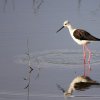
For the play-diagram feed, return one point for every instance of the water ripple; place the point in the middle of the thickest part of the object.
(58, 57)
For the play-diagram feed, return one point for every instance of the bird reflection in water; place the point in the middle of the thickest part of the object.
(80, 83)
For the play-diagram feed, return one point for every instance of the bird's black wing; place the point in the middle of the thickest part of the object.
(84, 35)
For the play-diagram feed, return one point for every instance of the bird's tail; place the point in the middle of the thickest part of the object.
(97, 39)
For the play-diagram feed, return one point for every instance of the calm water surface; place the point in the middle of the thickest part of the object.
(55, 67)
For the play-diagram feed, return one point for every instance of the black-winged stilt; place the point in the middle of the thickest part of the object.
(81, 37)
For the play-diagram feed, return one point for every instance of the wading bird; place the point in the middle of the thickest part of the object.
(81, 37)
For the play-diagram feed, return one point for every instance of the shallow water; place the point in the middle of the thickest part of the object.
(51, 67)
(54, 67)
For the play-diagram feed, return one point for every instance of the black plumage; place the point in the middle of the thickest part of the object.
(84, 35)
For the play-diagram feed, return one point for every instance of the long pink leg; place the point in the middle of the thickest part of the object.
(89, 69)
(89, 58)
(84, 54)
(90, 54)
(84, 57)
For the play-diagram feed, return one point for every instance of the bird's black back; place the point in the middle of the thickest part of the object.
(84, 35)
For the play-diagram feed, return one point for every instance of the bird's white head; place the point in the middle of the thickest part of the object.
(65, 25)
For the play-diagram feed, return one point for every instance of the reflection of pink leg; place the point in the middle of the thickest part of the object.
(89, 69)
(85, 74)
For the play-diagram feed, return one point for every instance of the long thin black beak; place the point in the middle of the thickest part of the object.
(60, 29)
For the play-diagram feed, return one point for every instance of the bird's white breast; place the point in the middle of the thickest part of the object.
(80, 42)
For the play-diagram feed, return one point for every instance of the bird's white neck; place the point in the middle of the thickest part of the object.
(70, 28)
